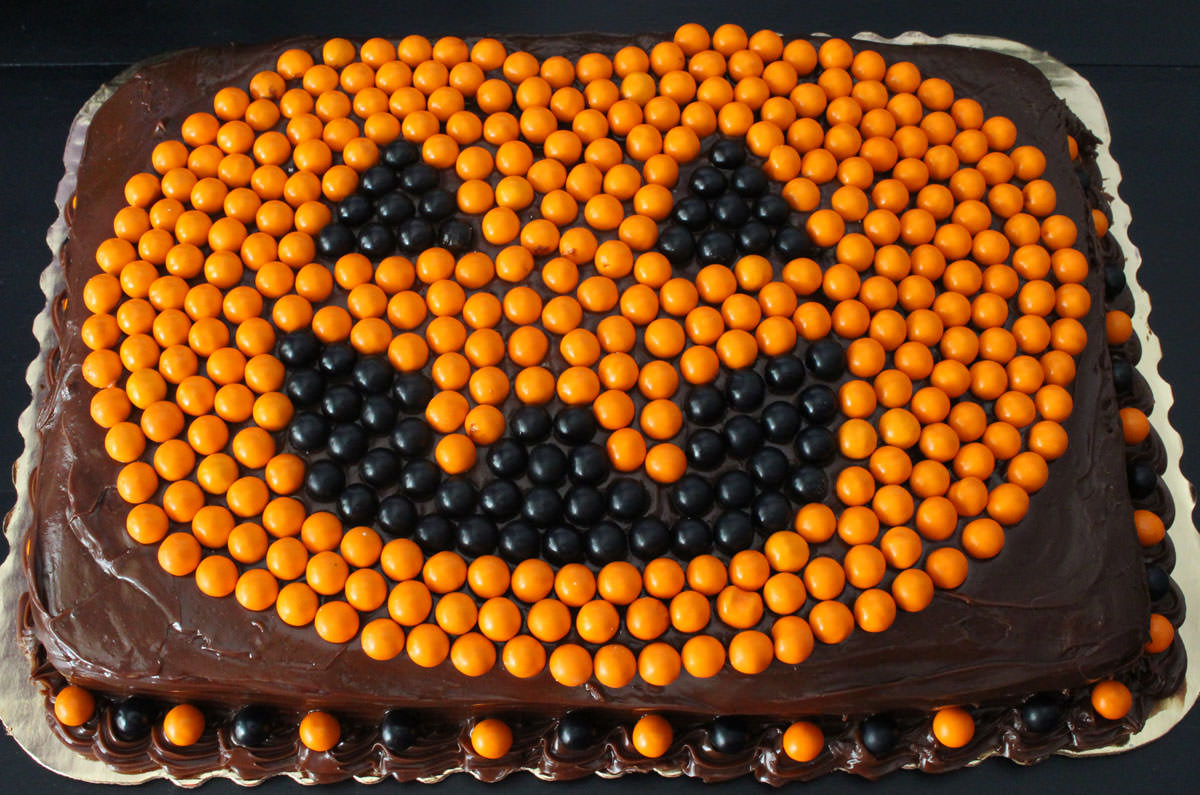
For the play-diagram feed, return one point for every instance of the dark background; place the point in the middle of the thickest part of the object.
(1142, 58)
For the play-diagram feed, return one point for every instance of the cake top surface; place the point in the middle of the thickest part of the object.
(893, 295)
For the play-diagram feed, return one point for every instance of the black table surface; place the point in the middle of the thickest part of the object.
(1142, 58)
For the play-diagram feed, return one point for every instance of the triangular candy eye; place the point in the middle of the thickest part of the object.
(795, 320)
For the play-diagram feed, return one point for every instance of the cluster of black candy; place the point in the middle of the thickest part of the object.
(775, 432)
(730, 212)
(549, 490)
(398, 206)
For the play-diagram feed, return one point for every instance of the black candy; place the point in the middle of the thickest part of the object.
(716, 248)
(335, 240)
(501, 499)
(336, 360)
(507, 458)
(754, 238)
(704, 405)
(378, 414)
(808, 484)
(1042, 713)
(347, 442)
(605, 543)
(1142, 479)
(375, 240)
(418, 177)
(692, 496)
(771, 512)
(519, 541)
(728, 735)
(341, 403)
(825, 359)
(705, 450)
(377, 180)
(398, 731)
(733, 531)
(745, 390)
(707, 182)
(1157, 582)
(783, 374)
(547, 464)
(769, 467)
(354, 210)
(394, 208)
(380, 467)
(437, 205)
(543, 506)
(414, 235)
(304, 387)
(588, 464)
(576, 731)
(727, 153)
(690, 537)
(455, 235)
(627, 499)
(816, 445)
(676, 244)
(530, 424)
(743, 435)
(324, 480)
(308, 432)
(818, 404)
(357, 504)
(420, 479)
(693, 213)
(251, 726)
(133, 718)
(434, 534)
(372, 375)
(1114, 281)
(792, 243)
(771, 209)
(749, 181)
(649, 538)
(583, 505)
(412, 392)
(412, 437)
(298, 349)
(730, 211)
(1122, 372)
(477, 535)
(456, 497)
(879, 735)
(780, 422)
(735, 489)
(562, 545)
(397, 516)
(400, 153)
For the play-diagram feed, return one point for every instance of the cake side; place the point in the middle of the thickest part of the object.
(963, 652)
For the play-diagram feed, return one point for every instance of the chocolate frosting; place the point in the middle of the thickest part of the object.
(1064, 604)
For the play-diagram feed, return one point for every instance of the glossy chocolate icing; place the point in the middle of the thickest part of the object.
(1063, 605)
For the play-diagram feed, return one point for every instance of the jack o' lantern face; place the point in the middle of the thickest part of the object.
(754, 341)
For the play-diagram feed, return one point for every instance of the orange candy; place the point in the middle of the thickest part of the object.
(491, 738)
(1111, 699)
(74, 706)
(953, 727)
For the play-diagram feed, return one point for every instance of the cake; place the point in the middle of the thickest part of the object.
(593, 404)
